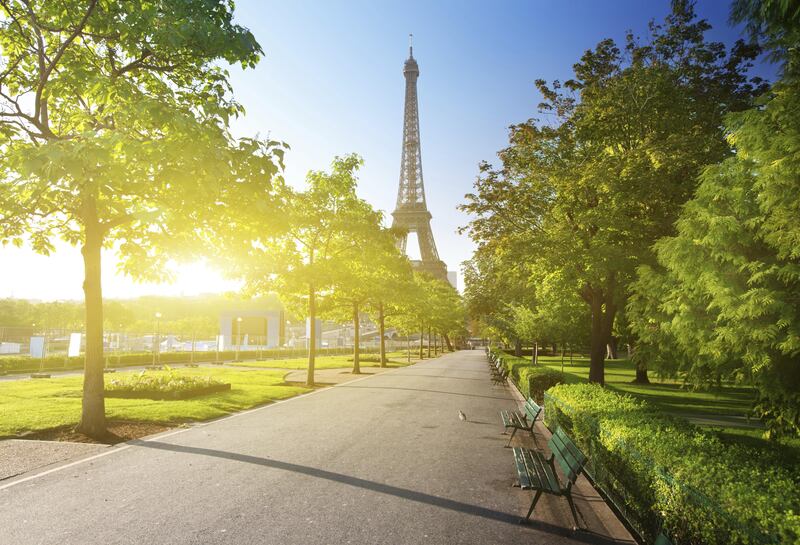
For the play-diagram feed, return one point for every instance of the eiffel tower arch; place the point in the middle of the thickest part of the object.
(411, 213)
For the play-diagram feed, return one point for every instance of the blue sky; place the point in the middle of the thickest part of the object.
(331, 83)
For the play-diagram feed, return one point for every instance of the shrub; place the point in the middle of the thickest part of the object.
(166, 384)
(662, 468)
(534, 381)
(531, 381)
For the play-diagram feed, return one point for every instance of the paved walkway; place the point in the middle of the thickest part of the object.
(383, 459)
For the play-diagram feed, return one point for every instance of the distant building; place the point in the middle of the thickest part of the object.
(252, 327)
(452, 277)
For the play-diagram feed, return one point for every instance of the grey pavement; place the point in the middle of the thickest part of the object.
(18, 456)
(383, 459)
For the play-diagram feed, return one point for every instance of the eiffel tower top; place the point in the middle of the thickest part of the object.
(411, 193)
(411, 65)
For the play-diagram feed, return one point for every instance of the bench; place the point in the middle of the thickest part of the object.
(538, 473)
(499, 372)
(521, 420)
(500, 377)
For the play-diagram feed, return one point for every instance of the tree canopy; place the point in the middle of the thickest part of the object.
(115, 119)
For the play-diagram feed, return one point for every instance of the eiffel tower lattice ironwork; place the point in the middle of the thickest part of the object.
(411, 213)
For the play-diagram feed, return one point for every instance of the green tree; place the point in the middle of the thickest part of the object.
(588, 194)
(115, 125)
(723, 299)
(322, 231)
(361, 279)
(494, 280)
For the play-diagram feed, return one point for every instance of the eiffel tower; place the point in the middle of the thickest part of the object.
(411, 212)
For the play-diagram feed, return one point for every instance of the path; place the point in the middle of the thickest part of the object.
(383, 459)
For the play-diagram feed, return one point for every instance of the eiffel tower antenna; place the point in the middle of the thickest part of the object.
(411, 213)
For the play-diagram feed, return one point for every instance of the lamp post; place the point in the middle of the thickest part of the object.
(238, 336)
(157, 341)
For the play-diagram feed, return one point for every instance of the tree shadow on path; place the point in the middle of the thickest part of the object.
(405, 493)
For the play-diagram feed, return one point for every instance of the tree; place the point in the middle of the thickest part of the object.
(493, 280)
(389, 283)
(364, 280)
(588, 194)
(321, 232)
(723, 297)
(115, 134)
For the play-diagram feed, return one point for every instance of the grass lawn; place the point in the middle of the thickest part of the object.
(670, 396)
(31, 405)
(396, 359)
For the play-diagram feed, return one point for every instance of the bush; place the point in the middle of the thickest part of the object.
(662, 468)
(166, 384)
(531, 381)
(534, 381)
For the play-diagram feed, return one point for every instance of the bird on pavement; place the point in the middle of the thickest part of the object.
(462, 416)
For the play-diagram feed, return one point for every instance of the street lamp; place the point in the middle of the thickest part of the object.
(157, 341)
(238, 336)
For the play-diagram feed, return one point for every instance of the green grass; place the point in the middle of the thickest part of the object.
(672, 397)
(396, 359)
(32, 405)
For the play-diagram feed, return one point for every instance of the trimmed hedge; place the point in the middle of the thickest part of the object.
(662, 468)
(26, 364)
(535, 381)
(531, 381)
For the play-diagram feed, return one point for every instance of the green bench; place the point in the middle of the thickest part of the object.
(521, 420)
(538, 473)
(499, 372)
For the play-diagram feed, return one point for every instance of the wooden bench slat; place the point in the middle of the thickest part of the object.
(569, 465)
(522, 473)
(547, 476)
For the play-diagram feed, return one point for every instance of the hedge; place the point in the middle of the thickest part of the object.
(26, 364)
(531, 381)
(535, 381)
(662, 469)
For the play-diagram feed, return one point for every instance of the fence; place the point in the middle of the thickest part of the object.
(24, 349)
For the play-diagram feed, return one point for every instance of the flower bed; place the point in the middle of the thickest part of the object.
(162, 385)
(663, 470)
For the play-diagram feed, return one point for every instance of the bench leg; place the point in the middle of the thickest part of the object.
(510, 438)
(533, 504)
(574, 511)
(533, 435)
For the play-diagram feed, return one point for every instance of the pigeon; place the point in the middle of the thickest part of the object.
(462, 416)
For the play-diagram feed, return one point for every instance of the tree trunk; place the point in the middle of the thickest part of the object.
(93, 413)
(603, 312)
(312, 337)
(641, 374)
(597, 347)
(408, 348)
(611, 348)
(421, 338)
(518, 348)
(382, 332)
(449, 344)
(356, 342)
(429, 341)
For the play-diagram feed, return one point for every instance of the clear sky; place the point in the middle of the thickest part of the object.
(331, 83)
